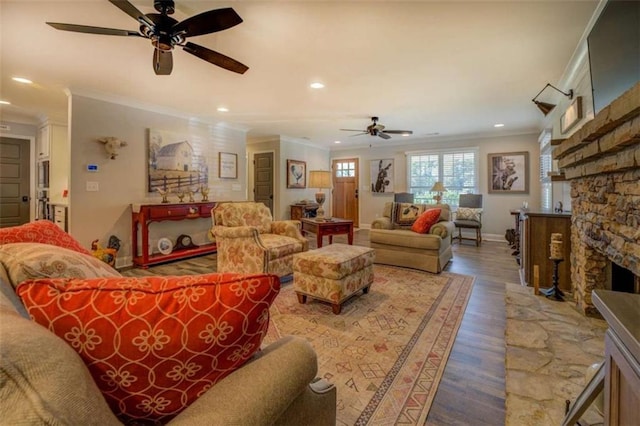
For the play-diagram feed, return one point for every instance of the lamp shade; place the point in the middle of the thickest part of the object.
(319, 179)
(438, 187)
(544, 107)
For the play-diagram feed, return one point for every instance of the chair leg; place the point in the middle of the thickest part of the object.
(477, 237)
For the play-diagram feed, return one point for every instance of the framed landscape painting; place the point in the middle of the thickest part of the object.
(509, 173)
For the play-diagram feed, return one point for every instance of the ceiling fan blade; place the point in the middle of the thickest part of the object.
(162, 62)
(132, 11)
(353, 130)
(399, 132)
(383, 135)
(215, 58)
(360, 134)
(208, 22)
(93, 30)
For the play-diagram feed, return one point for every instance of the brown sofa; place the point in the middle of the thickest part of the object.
(44, 381)
(396, 244)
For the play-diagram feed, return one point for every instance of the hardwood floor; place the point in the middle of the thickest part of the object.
(472, 389)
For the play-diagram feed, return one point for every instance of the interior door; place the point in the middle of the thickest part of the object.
(263, 179)
(14, 181)
(344, 201)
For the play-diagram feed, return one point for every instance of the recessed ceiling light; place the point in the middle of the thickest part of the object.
(498, 125)
(337, 142)
(22, 80)
(316, 85)
(5, 103)
(223, 109)
(406, 134)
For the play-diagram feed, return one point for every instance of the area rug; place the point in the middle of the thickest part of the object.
(386, 352)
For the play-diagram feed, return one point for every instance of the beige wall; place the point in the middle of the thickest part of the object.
(98, 215)
(284, 149)
(496, 217)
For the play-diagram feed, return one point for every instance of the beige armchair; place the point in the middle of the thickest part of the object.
(250, 241)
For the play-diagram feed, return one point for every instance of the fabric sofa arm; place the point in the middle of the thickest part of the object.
(442, 229)
(240, 250)
(290, 228)
(259, 392)
(381, 223)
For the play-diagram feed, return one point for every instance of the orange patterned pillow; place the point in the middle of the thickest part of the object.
(155, 344)
(40, 231)
(423, 224)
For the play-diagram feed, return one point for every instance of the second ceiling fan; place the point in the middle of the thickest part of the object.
(375, 129)
(165, 33)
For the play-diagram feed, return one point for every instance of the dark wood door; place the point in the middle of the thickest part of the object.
(14, 181)
(344, 201)
(263, 179)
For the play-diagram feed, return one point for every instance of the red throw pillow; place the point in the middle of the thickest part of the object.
(426, 220)
(155, 344)
(40, 231)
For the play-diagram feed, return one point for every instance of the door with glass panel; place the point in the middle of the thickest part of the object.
(344, 199)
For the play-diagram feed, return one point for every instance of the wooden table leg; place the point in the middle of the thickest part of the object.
(319, 239)
(350, 236)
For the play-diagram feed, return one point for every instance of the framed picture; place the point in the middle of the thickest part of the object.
(296, 174)
(227, 165)
(509, 173)
(572, 115)
(382, 176)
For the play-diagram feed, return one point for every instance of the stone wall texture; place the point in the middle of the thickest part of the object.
(602, 160)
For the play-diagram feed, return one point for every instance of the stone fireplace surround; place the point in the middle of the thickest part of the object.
(602, 161)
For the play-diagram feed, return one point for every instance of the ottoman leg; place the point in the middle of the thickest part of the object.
(337, 307)
(365, 290)
(302, 298)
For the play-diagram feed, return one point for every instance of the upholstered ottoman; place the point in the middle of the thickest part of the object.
(333, 273)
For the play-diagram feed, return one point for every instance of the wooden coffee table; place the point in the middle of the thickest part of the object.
(331, 227)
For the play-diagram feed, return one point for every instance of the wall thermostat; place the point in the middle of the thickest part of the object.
(92, 167)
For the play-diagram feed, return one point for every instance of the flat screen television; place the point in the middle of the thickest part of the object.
(614, 51)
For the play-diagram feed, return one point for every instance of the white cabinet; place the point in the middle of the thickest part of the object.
(43, 143)
(53, 145)
(60, 216)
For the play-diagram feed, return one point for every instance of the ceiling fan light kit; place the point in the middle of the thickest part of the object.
(166, 33)
(376, 129)
(547, 107)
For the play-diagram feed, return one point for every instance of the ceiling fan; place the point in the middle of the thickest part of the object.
(376, 129)
(165, 33)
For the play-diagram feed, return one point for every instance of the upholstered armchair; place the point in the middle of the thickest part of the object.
(250, 241)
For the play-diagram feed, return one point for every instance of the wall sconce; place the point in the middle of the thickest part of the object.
(112, 145)
(320, 179)
(439, 188)
(545, 107)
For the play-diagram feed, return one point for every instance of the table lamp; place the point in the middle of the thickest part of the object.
(320, 179)
(439, 188)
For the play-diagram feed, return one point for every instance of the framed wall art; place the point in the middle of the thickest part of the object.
(296, 174)
(175, 163)
(572, 115)
(227, 165)
(382, 176)
(509, 173)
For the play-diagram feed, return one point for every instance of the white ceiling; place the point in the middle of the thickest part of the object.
(452, 68)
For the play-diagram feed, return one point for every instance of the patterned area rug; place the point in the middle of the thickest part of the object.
(387, 350)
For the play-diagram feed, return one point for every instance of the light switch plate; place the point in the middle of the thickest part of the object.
(92, 186)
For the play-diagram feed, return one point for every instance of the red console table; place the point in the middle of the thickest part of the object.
(143, 214)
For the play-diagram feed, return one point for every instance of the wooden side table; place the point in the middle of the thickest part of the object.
(330, 228)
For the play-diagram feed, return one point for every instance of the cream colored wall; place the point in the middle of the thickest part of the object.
(123, 181)
(284, 149)
(496, 217)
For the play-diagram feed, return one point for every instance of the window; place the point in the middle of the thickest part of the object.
(457, 170)
(345, 169)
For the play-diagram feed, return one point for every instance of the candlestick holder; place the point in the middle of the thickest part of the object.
(554, 293)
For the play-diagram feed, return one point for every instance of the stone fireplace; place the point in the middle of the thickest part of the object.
(602, 161)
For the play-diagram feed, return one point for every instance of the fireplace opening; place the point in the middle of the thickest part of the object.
(622, 279)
